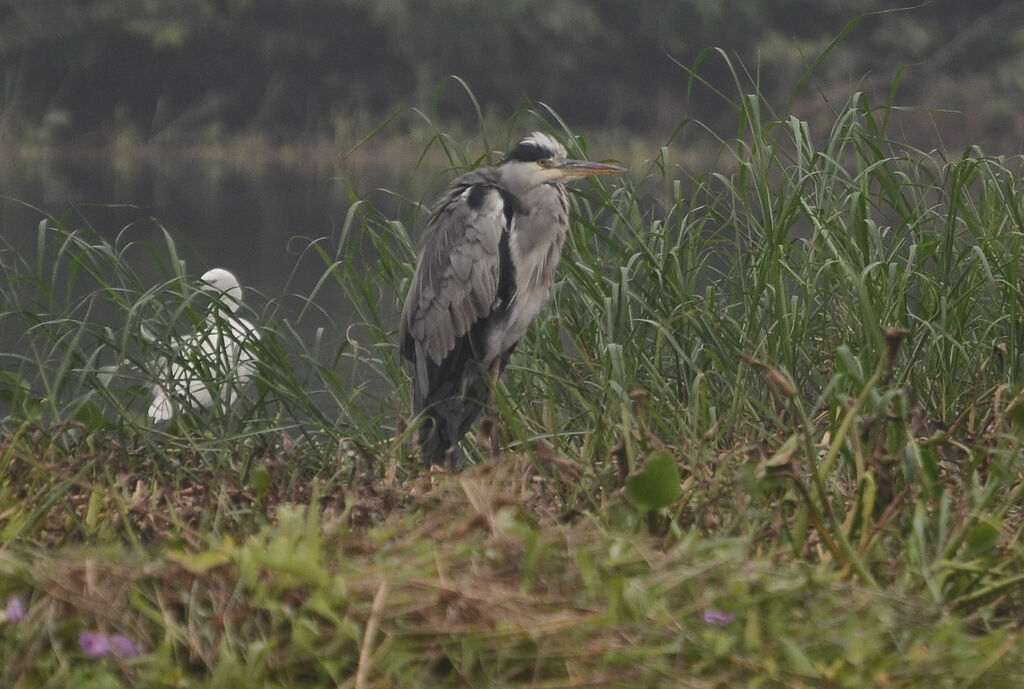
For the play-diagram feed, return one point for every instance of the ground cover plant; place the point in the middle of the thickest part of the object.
(766, 434)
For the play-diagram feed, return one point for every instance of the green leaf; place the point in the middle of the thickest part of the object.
(13, 390)
(981, 539)
(91, 416)
(658, 485)
(198, 563)
(849, 364)
(799, 662)
(784, 455)
(1016, 415)
(260, 481)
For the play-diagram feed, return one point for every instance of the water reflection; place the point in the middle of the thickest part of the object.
(254, 222)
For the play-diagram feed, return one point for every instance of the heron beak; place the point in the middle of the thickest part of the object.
(572, 169)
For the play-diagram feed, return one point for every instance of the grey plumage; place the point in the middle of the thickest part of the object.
(490, 249)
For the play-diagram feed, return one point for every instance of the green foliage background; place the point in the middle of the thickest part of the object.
(82, 70)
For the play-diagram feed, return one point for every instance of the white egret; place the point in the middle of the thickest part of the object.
(216, 361)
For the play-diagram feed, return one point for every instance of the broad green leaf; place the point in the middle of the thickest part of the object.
(657, 485)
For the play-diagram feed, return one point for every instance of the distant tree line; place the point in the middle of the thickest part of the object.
(89, 69)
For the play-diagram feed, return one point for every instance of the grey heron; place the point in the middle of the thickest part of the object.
(490, 249)
(213, 363)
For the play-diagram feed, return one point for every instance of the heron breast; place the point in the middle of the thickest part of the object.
(523, 310)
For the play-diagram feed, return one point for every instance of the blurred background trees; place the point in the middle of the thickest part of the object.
(88, 70)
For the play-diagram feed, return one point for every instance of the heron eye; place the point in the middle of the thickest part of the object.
(544, 162)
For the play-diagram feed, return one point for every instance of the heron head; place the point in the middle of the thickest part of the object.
(540, 159)
(223, 286)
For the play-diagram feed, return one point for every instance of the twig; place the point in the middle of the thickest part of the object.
(371, 632)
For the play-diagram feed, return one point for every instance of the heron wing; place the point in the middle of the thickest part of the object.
(456, 281)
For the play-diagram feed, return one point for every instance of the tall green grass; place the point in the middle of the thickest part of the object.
(819, 328)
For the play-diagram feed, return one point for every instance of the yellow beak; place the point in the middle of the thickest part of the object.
(583, 168)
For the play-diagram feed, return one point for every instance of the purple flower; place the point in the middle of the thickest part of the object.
(98, 644)
(717, 617)
(94, 644)
(123, 646)
(15, 610)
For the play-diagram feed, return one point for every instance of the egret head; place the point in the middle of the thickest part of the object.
(541, 159)
(222, 286)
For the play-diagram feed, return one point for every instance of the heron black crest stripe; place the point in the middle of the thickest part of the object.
(529, 151)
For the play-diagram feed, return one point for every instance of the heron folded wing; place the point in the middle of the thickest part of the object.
(456, 281)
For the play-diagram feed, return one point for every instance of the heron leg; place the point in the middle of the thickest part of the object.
(487, 431)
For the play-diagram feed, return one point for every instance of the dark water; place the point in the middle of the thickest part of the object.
(255, 223)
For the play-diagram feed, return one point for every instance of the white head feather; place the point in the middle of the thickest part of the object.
(223, 286)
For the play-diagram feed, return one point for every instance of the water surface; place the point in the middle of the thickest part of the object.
(254, 222)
